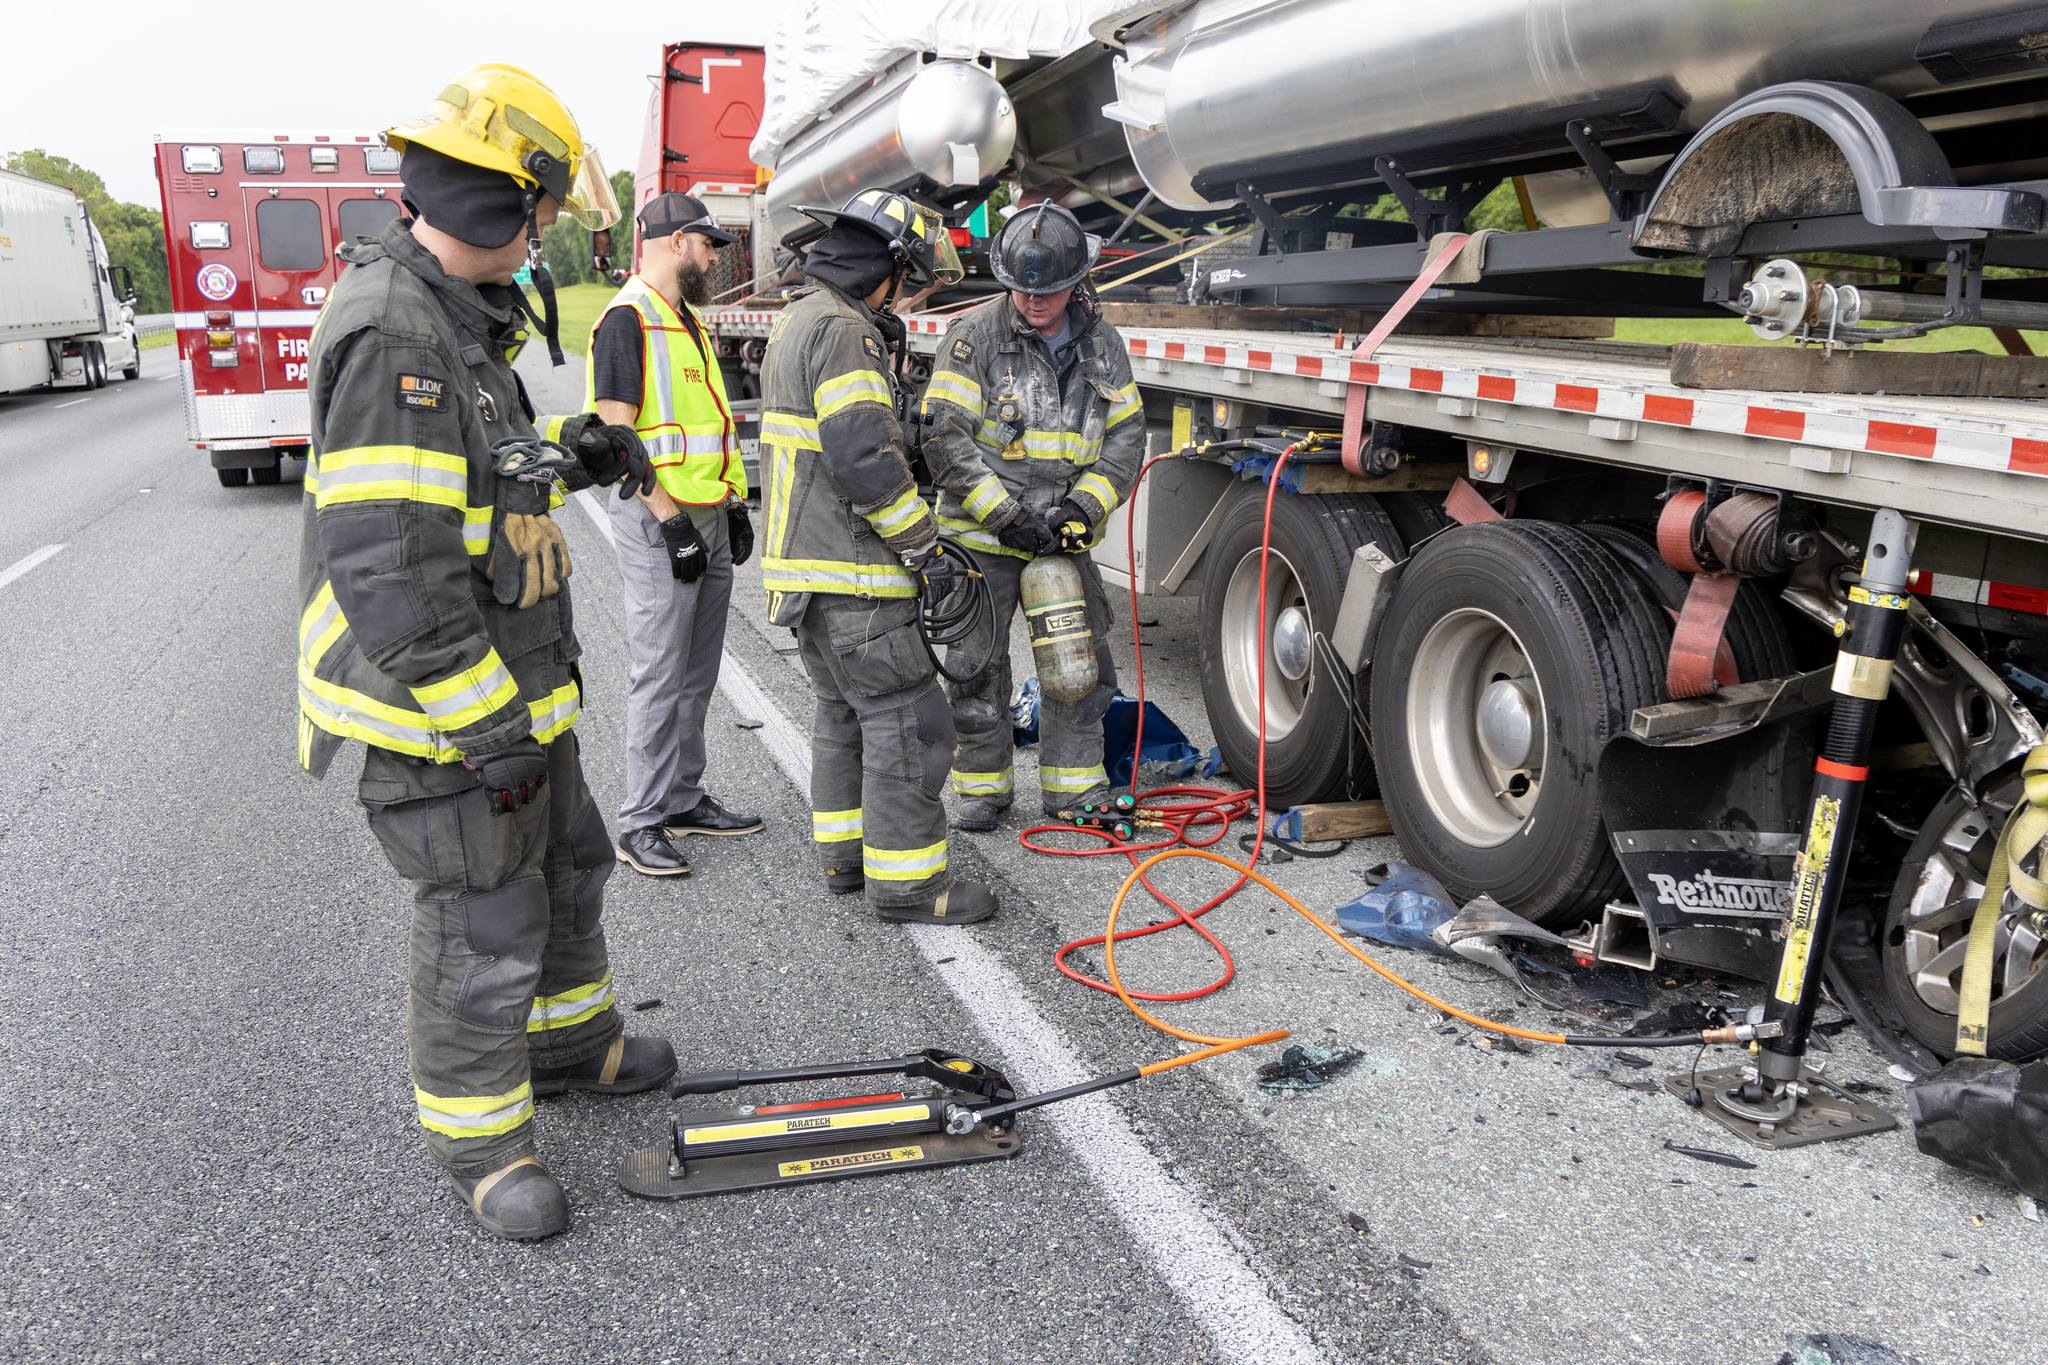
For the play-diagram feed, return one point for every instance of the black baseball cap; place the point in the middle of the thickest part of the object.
(672, 212)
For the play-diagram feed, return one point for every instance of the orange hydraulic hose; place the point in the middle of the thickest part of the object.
(1216, 1047)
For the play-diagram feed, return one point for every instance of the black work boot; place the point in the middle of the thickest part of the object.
(961, 903)
(978, 814)
(648, 852)
(845, 881)
(628, 1066)
(708, 817)
(520, 1202)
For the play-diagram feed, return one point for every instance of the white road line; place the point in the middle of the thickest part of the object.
(162, 378)
(25, 563)
(72, 404)
(1217, 1278)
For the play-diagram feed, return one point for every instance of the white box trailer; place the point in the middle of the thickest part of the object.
(66, 313)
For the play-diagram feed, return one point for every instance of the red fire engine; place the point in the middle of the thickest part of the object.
(701, 117)
(252, 222)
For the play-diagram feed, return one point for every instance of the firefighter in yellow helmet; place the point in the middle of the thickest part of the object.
(435, 627)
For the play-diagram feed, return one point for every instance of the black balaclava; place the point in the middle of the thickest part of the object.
(851, 260)
(481, 207)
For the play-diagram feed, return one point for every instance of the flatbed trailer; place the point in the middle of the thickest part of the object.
(1584, 442)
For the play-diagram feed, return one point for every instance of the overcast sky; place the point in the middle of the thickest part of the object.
(93, 83)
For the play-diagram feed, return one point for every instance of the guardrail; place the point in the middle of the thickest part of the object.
(148, 324)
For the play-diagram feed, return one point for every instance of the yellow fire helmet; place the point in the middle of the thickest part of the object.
(504, 119)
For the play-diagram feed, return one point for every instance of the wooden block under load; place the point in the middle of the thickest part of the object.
(1353, 322)
(1808, 369)
(1342, 820)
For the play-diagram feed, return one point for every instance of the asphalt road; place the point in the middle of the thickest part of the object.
(209, 1144)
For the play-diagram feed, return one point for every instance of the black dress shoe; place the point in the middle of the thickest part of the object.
(649, 852)
(708, 817)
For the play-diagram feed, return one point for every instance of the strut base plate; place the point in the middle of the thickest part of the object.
(647, 1171)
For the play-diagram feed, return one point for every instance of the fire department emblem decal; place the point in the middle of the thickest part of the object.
(217, 281)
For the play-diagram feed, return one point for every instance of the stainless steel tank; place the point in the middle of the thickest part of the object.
(1222, 90)
(948, 122)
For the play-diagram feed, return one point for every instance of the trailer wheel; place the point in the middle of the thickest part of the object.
(1511, 652)
(232, 478)
(94, 362)
(1308, 702)
(267, 474)
(1927, 931)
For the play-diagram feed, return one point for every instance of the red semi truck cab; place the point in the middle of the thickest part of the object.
(252, 224)
(701, 118)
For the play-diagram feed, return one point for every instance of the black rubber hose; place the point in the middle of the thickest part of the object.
(952, 618)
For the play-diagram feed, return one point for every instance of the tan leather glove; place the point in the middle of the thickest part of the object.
(529, 561)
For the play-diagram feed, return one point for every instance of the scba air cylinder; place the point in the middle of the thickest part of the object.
(1056, 616)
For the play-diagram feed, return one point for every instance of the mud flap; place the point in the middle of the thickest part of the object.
(1709, 864)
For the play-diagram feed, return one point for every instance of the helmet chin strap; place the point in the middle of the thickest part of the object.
(543, 282)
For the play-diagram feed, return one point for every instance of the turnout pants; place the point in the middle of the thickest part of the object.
(881, 738)
(509, 968)
(1069, 733)
(675, 635)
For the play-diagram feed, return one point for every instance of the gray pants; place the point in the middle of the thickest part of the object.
(881, 738)
(1069, 733)
(509, 968)
(675, 635)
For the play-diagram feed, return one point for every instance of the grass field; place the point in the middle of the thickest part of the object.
(580, 304)
(1730, 331)
(156, 339)
(577, 307)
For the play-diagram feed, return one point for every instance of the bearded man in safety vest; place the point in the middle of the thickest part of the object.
(849, 547)
(435, 627)
(653, 368)
(1037, 433)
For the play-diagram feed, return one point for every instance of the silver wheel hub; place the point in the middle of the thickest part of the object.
(1936, 930)
(1507, 724)
(1289, 628)
(1476, 725)
(1291, 644)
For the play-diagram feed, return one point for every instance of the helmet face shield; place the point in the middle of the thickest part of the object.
(946, 267)
(590, 200)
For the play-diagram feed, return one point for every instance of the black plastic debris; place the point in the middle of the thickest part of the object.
(1838, 1348)
(1687, 1016)
(1302, 1068)
(642, 1006)
(1708, 1154)
(1988, 1117)
(747, 722)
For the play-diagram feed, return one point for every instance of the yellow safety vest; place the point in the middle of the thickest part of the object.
(684, 420)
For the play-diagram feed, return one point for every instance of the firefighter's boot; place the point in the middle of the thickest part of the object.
(627, 1067)
(845, 881)
(978, 814)
(963, 902)
(520, 1202)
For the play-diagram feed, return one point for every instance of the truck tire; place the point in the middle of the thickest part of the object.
(232, 478)
(1511, 652)
(266, 474)
(1927, 929)
(94, 362)
(133, 369)
(1308, 707)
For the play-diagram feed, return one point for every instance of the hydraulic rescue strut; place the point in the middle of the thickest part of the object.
(1779, 1102)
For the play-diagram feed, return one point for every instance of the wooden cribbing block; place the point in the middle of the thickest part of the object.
(1808, 369)
(1340, 820)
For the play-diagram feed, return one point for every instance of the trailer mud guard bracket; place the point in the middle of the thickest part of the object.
(1810, 149)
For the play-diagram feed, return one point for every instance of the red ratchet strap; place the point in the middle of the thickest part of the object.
(1354, 396)
(1465, 504)
(1700, 660)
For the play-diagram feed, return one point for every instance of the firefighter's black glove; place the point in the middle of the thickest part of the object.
(1068, 526)
(686, 553)
(511, 777)
(938, 573)
(613, 454)
(739, 530)
(1029, 534)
